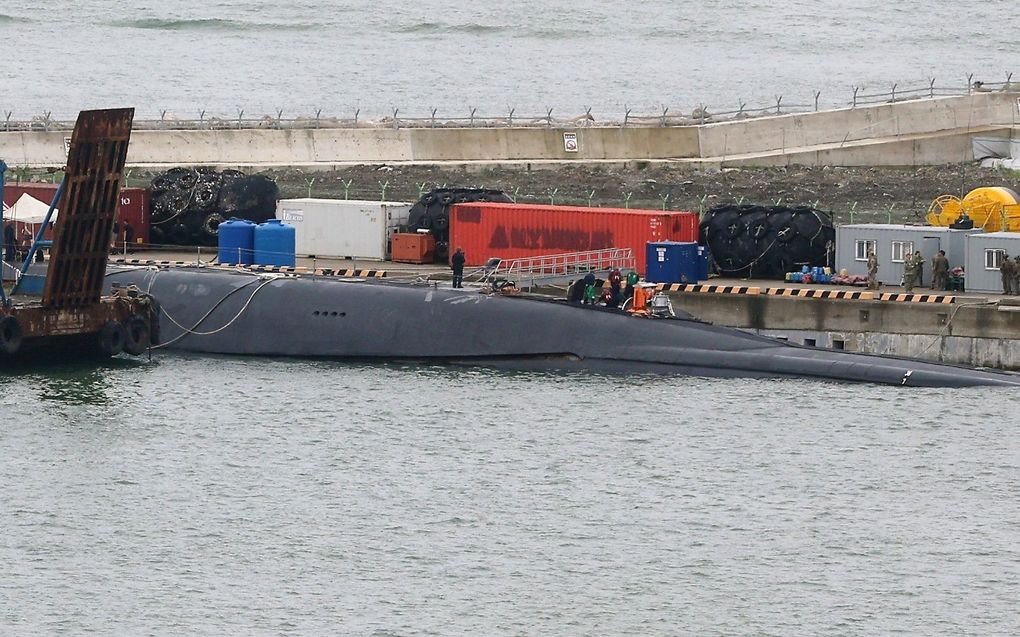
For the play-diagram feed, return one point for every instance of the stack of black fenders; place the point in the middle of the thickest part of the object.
(767, 242)
(432, 212)
(189, 204)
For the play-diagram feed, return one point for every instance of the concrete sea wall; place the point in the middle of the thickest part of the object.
(916, 132)
(972, 331)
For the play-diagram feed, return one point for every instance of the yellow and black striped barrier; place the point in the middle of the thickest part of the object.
(708, 289)
(364, 274)
(361, 274)
(150, 262)
(809, 293)
(942, 299)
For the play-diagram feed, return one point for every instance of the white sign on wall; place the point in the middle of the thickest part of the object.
(570, 142)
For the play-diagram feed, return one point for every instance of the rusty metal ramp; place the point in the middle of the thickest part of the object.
(88, 207)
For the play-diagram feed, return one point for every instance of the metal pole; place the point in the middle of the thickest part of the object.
(45, 224)
(3, 169)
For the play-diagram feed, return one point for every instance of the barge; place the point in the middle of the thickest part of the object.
(72, 317)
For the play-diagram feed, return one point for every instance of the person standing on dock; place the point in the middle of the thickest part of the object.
(909, 273)
(1016, 275)
(872, 270)
(919, 262)
(457, 265)
(1007, 271)
(10, 242)
(939, 270)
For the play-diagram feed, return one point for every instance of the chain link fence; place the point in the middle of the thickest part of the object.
(667, 116)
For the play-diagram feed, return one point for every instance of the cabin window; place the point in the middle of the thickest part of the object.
(900, 250)
(864, 246)
(993, 258)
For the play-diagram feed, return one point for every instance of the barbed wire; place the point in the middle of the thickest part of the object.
(666, 117)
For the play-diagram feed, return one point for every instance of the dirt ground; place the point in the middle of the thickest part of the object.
(850, 194)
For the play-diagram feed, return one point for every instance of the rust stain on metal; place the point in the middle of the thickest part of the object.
(71, 306)
(81, 238)
(40, 321)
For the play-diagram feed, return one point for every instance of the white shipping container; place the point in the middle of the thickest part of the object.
(342, 228)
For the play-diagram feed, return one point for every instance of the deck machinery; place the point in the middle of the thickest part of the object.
(72, 318)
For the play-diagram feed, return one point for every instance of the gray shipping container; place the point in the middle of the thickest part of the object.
(892, 242)
(984, 252)
(342, 227)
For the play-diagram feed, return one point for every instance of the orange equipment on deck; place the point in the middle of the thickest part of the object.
(410, 247)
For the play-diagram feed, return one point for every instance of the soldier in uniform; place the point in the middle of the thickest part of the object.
(1016, 275)
(919, 262)
(1007, 271)
(872, 270)
(939, 270)
(909, 272)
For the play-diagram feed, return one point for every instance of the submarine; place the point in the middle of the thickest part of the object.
(227, 311)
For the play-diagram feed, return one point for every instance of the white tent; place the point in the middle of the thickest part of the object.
(28, 209)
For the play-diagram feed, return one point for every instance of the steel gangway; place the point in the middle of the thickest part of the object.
(529, 272)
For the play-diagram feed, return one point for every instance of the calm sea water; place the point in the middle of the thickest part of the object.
(257, 55)
(226, 495)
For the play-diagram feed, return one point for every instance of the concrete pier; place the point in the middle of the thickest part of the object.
(976, 330)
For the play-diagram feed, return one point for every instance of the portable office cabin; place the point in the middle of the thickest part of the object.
(984, 254)
(343, 228)
(892, 243)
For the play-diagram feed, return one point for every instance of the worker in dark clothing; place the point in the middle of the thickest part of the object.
(10, 243)
(575, 291)
(129, 235)
(457, 265)
(615, 296)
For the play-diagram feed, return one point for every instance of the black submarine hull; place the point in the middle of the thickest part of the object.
(227, 312)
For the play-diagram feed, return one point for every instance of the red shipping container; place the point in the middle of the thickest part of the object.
(134, 205)
(514, 231)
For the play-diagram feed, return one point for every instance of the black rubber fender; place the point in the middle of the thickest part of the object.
(112, 338)
(441, 222)
(10, 335)
(205, 196)
(181, 235)
(137, 336)
(211, 224)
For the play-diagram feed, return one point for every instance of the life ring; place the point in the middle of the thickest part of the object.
(136, 335)
(10, 335)
(111, 338)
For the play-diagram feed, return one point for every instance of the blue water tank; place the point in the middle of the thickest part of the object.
(236, 242)
(274, 244)
(672, 262)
